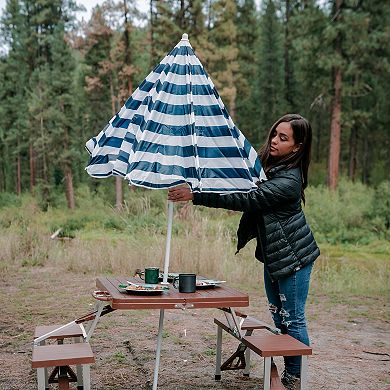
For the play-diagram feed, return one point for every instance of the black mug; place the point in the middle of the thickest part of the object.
(187, 283)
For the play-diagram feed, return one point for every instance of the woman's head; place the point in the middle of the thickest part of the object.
(288, 143)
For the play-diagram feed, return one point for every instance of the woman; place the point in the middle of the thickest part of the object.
(273, 215)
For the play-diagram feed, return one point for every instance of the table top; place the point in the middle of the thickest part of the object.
(216, 297)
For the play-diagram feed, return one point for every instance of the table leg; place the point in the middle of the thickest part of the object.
(267, 374)
(304, 373)
(158, 350)
(91, 328)
(218, 359)
(41, 377)
(79, 369)
(247, 356)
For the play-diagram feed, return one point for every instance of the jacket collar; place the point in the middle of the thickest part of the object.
(275, 169)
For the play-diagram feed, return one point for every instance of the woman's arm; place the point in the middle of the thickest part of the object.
(283, 188)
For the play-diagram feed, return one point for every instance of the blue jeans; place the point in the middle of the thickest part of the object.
(287, 299)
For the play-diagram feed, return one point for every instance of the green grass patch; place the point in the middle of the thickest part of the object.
(350, 226)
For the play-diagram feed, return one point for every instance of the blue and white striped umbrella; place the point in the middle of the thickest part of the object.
(175, 129)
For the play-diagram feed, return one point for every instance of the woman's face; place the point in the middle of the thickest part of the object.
(282, 141)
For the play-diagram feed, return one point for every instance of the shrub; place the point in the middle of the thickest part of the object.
(342, 215)
(381, 208)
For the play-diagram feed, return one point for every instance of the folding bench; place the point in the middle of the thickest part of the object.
(235, 323)
(61, 356)
(268, 344)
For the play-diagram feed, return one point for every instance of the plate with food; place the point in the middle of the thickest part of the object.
(208, 283)
(143, 288)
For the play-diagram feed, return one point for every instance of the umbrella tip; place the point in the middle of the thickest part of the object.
(184, 37)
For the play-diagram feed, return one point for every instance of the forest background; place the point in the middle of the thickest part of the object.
(62, 80)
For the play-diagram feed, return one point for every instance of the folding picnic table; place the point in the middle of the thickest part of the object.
(222, 297)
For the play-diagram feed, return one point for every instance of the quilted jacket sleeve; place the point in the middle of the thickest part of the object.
(284, 187)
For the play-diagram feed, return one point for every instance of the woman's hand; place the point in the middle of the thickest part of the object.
(180, 194)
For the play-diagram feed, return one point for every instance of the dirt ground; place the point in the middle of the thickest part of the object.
(350, 340)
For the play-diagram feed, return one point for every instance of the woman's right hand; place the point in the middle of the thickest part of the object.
(180, 194)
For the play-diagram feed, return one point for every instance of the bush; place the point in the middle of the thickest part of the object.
(381, 208)
(343, 215)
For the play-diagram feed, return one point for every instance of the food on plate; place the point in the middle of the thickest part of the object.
(143, 288)
(201, 283)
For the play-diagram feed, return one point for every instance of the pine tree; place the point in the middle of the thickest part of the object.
(16, 74)
(247, 111)
(270, 70)
(311, 74)
(47, 26)
(169, 20)
(219, 50)
(62, 110)
(165, 32)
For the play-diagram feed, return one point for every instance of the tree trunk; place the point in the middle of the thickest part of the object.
(69, 187)
(152, 24)
(18, 175)
(287, 66)
(353, 142)
(69, 191)
(118, 180)
(45, 187)
(320, 124)
(335, 126)
(365, 171)
(335, 132)
(127, 48)
(32, 168)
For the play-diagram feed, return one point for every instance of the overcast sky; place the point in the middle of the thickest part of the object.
(143, 6)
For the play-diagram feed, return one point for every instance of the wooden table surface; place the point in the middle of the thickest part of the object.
(216, 297)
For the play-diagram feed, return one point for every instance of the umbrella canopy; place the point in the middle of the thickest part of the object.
(175, 129)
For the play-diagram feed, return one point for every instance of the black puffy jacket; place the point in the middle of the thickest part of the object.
(272, 214)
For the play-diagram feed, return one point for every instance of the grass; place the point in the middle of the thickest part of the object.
(99, 240)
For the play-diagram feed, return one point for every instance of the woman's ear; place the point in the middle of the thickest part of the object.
(296, 148)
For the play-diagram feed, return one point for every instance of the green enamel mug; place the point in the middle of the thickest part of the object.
(151, 275)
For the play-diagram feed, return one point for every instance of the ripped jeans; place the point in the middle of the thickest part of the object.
(287, 299)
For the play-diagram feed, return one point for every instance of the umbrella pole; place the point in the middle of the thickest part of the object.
(165, 281)
(168, 242)
(158, 351)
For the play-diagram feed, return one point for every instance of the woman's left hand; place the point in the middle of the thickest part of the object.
(180, 194)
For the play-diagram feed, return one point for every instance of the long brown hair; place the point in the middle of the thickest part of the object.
(302, 134)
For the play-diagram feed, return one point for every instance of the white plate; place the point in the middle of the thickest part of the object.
(208, 283)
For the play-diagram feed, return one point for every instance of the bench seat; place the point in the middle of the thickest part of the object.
(71, 331)
(268, 345)
(62, 355)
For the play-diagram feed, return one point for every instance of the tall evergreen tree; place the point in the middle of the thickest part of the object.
(219, 50)
(16, 74)
(311, 75)
(247, 111)
(165, 32)
(169, 20)
(63, 113)
(270, 68)
(335, 125)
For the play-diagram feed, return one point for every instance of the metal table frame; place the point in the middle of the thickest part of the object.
(223, 297)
